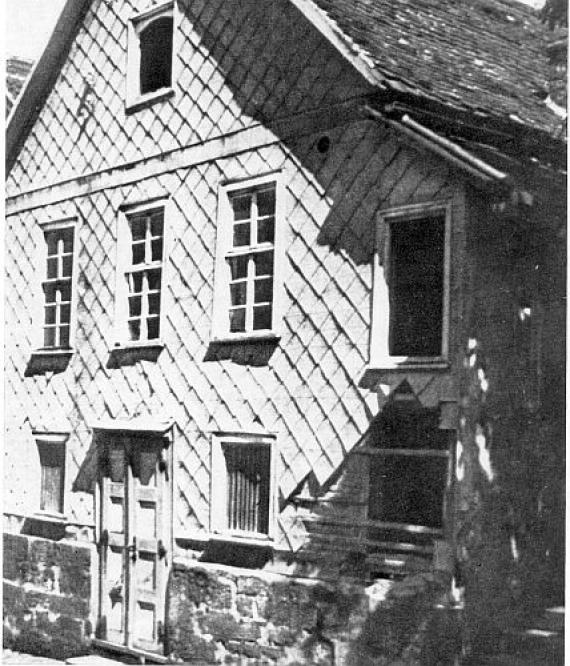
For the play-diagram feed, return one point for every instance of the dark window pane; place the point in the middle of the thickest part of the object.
(135, 283)
(67, 266)
(261, 317)
(263, 263)
(264, 290)
(52, 268)
(138, 253)
(242, 207)
(238, 293)
(238, 267)
(154, 303)
(49, 337)
(406, 489)
(266, 230)
(416, 287)
(145, 461)
(138, 228)
(52, 240)
(156, 224)
(134, 329)
(65, 314)
(49, 314)
(64, 336)
(153, 324)
(241, 234)
(154, 279)
(237, 320)
(266, 202)
(157, 249)
(67, 240)
(156, 55)
(135, 303)
(65, 291)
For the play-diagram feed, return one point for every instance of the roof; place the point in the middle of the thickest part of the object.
(17, 71)
(487, 56)
(483, 58)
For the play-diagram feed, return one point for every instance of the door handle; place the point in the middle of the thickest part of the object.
(161, 549)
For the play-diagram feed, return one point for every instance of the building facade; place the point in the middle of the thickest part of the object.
(284, 339)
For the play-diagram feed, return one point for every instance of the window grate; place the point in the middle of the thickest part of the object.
(247, 501)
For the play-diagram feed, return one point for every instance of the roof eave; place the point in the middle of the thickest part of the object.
(41, 78)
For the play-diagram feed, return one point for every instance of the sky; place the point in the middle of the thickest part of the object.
(28, 24)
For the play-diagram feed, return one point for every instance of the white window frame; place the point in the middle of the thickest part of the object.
(122, 338)
(220, 324)
(39, 314)
(45, 440)
(380, 357)
(135, 25)
(218, 490)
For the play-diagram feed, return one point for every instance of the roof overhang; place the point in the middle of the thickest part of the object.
(42, 77)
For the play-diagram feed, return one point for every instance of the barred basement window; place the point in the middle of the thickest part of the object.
(139, 294)
(242, 503)
(57, 287)
(51, 449)
(249, 254)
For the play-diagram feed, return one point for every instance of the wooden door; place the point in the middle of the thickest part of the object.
(134, 541)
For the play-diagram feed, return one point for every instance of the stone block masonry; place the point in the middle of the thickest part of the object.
(218, 615)
(47, 595)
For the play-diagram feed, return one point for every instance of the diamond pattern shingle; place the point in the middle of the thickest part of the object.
(308, 390)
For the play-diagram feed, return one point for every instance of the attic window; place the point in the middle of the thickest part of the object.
(156, 55)
(150, 55)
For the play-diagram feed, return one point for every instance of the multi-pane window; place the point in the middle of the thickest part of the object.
(51, 449)
(251, 260)
(57, 288)
(242, 486)
(143, 274)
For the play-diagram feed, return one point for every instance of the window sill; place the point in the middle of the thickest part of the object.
(374, 374)
(261, 541)
(244, 349)
(237, 338)
(131, 353)
(49, 517)
(143, 101)
(48, 360)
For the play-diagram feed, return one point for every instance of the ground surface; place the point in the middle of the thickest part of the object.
(10, 657)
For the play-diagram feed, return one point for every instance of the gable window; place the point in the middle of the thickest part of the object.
(150, 54)
(247, 278)
(58, 286)
(242, 485)
(51, 450)
(411, 286)
(139, 292)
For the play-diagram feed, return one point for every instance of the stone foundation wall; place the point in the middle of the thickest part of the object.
(219, 615)
(47, 595)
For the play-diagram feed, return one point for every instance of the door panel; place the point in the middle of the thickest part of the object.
(134, 528)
